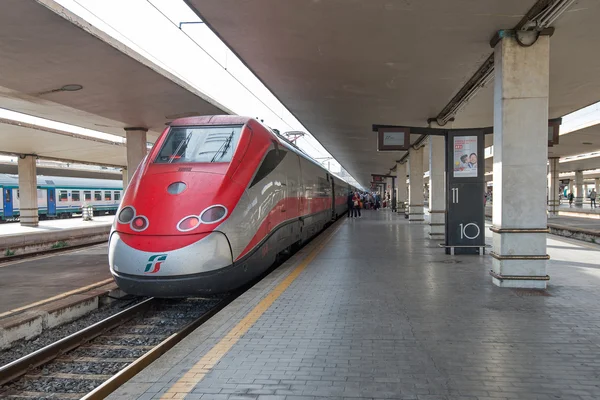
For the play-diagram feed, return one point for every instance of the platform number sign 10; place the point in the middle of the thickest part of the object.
(469, 231)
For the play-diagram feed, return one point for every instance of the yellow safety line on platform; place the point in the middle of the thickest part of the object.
(58, 297)
(190, 379)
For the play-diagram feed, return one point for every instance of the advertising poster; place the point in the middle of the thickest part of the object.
(465, 156)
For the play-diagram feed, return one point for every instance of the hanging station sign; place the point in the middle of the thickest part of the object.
(553, 131)
(393, 139)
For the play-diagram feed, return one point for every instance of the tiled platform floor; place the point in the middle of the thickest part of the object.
(381, 312)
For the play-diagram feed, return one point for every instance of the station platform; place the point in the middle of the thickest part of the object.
(17, 240)
(373, 309)
(29, 281)
(15, 228)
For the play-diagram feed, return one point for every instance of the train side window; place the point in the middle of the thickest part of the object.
(107, 196)
(87, 195)
(117, 196)
(63, 196)
(271, 161)
(75, 195)
(97, 195)
(18, 194)
(7, 196)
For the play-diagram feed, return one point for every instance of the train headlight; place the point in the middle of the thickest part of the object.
(213, 214)
(126, 215)
(139, 223)
(188, 223)
(176, 187)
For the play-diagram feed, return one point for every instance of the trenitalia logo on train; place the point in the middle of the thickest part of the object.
(154, 263)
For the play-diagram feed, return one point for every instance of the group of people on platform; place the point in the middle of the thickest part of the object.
(362, 200)
(592, 197)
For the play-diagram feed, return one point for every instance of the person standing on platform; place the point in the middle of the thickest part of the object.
(350, 205)
(571, 198)
(593, 198)
(356, 204)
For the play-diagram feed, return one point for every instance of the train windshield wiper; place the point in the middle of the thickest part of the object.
(224, 147)
(183, 142)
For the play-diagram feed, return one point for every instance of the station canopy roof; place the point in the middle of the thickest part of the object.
(46, 52)
(342, 66)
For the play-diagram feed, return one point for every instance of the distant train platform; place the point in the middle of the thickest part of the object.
(17, 240)
(372, 309)
(12, 228)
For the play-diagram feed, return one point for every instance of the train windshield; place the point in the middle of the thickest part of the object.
(199, 144)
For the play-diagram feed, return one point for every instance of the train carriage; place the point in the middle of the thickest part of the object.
(61, 197)
(213, 204)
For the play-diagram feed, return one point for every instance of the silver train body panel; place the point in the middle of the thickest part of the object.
(215, 263)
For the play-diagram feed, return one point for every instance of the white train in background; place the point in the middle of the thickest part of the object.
(61, 197)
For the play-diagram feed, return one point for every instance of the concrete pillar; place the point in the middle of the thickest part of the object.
(415, 201)
(136, 149)
(553, 187)
(519, 229)
(124, 177)
(402, 187)
(437, 187)
(571, 187)
(597, 186)
(579, 192)
(28, 204)
(388, 190)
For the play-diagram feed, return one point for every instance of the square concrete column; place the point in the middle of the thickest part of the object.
(437, 187)
(579, 192)
(402, 187)
(553, 186)
(519, 229)
(124, 175)
(136, 149)
(597, 185)
(415, 199)
(28, 203)
(571, 187)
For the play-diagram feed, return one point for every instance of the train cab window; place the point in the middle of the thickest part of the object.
(199, 144)
(107, 196)
(87, 195)
(271, 161)
(98, 195)
(117, 196)
(62, 196)
(75, 195)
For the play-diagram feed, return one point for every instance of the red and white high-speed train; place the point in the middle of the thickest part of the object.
(213, 204)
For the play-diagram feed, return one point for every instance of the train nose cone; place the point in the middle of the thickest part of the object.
(209, 253)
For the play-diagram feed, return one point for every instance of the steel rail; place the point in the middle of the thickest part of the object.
(119, 379)
(20, 367)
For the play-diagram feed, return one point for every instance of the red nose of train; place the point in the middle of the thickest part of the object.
(173, 202)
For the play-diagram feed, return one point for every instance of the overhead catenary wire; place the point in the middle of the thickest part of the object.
(278, 115)
(218, 63)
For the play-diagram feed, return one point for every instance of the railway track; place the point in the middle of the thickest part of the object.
(95, 361)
